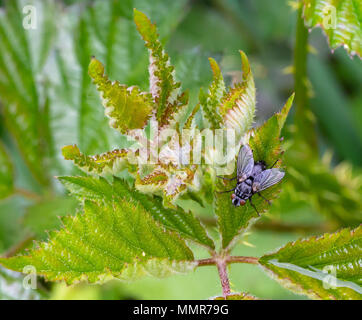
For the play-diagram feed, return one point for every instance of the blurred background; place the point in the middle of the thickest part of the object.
(47, 101)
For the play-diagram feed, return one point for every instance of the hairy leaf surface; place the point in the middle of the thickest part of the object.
(111, 239)
(210, 101)
(174, 219)
(238, 106)
(108, 162)
(163, 86)
(325, 267)
(127, 107)
(45, 215)
(341, 20)
(266, 146)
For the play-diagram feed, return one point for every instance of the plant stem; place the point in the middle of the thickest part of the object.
(221, 262)
(241, 259)
(303, 117)
(227, 260)
(206, 262)
(223, 274)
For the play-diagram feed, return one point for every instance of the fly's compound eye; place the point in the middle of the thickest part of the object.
(242, 202)
(233, 196)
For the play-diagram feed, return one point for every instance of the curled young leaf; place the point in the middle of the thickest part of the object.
(210, 102)
(110, 162)
(238, 106)
(127, 107)
(163, 85)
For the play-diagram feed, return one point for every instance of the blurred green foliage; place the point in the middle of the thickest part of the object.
(47, 101)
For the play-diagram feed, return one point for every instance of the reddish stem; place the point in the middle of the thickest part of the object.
(223, 274)
(232, 259)
(221, 262)
(240, 259)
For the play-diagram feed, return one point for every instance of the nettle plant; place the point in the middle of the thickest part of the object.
(136, 218)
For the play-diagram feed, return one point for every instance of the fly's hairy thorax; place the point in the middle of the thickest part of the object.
(258, 167)
(244, 190)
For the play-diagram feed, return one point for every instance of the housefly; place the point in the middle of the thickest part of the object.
(252, 178)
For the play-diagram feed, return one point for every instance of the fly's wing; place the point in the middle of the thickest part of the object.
(267, 178)
(245, 163)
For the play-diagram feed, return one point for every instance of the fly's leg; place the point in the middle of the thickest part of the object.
(226, 178)
(252, 204)
(260, 195)
(225, 191)
(276, 161)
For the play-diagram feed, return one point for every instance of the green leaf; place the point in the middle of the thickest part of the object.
(335, 191)
(167, 180)
(6, 173)
(332, 109)
(173, 219)
(153, 182)
(266, 146)
(128, 108)
(11, 230)
(265, 142)
(111, 239)
(45, 215)
(237, 296)
(326, 267)
(238, 106)
(210, 102)
(163, 86)
(340, 20)
(109, 162)
(22, 59)
(47, 95)
(90, 31)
